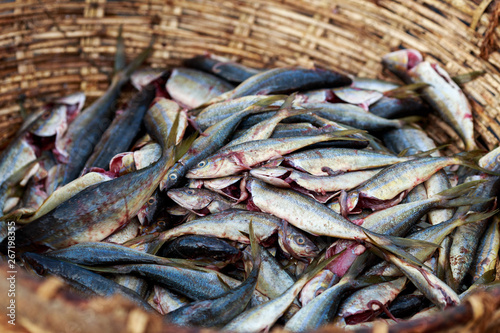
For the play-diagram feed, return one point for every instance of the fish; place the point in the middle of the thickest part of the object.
(200, 201)
(219, 311)
(165, 301)
(443, 94)
(314, 218)
(81, 278)
(231, 160)
(262, 317)
(487, 253)
(388, 187)
(217, 112)
(283, 80)
(209, 142)
(329, 161)
(323, 307)
(192, 88)
(199, 247)
(222, 67)
(355, 116)
(229, 223)
(316, 286)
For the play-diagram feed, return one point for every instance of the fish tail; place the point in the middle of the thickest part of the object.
(257, 106)
(409, 121)
(120, 51)
(393, 245)
(429, 152)
(255, 248)
(459, 190)
(469, 159)
(475, 217)
(342, 135)
(128, 70)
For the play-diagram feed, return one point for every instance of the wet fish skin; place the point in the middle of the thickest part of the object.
(287, 79)
(391, 108)
(192, 88)
(164, 301)
(217, 112)
(200, 201)
(101, 253)
(487, 252)
(262, 317)
(353, 116)
(443, 94)
(219, 311)
(323, 308)
(200, 247)
(234, 159)
(339, 159)
(209, 142)
(390, 183)
(122, 131)
(81, 278)
(309, 216)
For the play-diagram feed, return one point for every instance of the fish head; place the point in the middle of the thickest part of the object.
(352, 200)
(402, 61)
(491, 161)
(50, 122)
(275, 175)
(208, 168)
(147, 211)
(297, 243)
(172, 178)
(122, 163)
(74, 104)
(191, 198)
(316, 286)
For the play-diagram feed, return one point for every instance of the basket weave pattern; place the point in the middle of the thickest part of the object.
(52, 48)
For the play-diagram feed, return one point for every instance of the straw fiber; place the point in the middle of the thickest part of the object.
(52, 48)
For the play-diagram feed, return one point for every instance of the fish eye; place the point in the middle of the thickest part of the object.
(161, 223)
(151, 200)
(173, 176)
(300, 241)
(190, 192)
(46, 115)
(202, 164)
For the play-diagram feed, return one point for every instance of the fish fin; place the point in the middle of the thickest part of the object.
(469, 159)
(120, 51)
(287, 104)
(267, 101)
(467, 77)
(184, 146)
(461, 189)
(403, 152)
(476, 217)
(409, 90)
(393, 245)
(429, 152)
(465, 201)
(409, 121)
(318, 264)
(225, 286)
(127, 71)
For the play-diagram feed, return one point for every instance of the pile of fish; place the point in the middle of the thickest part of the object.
(237, 198)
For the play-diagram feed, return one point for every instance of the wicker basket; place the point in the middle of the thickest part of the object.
(53, 48)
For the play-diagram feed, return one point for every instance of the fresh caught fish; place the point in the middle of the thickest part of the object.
(221, 310)
(487, 252)
(192, 88)
(200, 201)
(231, 160)
(209, 142)
(286, 79)
(81, 278)
(443, 94)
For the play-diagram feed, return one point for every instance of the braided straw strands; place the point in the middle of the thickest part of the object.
(53, 48)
